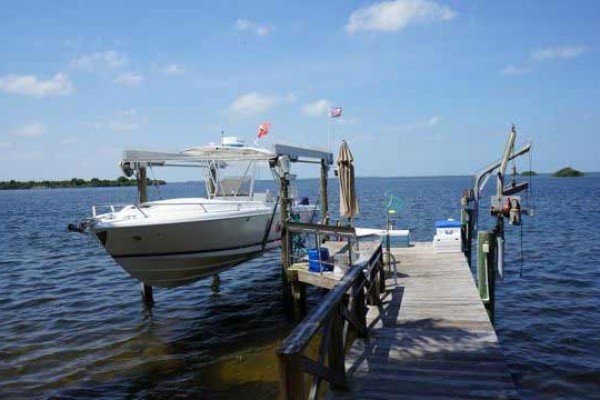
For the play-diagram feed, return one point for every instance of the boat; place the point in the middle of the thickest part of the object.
(174, 242)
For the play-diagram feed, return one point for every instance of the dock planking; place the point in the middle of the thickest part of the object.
(431, 340)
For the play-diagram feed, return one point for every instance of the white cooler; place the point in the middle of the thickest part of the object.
(447, 236)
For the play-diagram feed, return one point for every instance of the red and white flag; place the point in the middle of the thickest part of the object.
(335, 112)
(263, 129)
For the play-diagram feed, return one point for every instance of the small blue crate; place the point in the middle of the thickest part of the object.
(317, 262)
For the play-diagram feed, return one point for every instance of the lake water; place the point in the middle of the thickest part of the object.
(72, 324)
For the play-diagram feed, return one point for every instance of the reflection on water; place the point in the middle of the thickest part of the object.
(73, 324)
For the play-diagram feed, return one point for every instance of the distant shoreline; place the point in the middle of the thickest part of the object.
(72, 183)
(122, 181)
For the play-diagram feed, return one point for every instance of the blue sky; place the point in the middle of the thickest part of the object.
(427, 87)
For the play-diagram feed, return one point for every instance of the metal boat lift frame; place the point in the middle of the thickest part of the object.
(137, 161)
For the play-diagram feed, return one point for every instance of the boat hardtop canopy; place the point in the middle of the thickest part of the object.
(200, 154)
(228, 152)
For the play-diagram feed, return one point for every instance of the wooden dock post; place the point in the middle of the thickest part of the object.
(142, 184)
(466, 223)
(486, 270)
(292, 377)
(323, 192)
(335, 353)
(294, 292)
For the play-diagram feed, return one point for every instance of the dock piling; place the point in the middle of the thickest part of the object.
(147, 295)
(486, 270)
(324, 193)
(142, 184)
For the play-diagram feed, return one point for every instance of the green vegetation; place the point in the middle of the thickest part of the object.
(567, 172)
(528, 173)
(73, 183)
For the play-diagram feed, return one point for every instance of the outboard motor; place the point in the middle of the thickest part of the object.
(127, 168)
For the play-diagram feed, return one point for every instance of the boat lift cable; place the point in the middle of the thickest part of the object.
(522, 257)
(270, 224)
(156, 184)
(314, 213)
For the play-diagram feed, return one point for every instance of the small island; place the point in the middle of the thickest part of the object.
(528, 173)
(73, 183)
(567, 172)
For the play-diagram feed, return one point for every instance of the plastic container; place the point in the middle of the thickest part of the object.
(317, 261)
(447, 223)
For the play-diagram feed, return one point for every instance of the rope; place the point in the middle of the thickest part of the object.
(160, 196)
(522, 257)
(530, 189)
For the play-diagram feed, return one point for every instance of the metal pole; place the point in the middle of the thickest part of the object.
(142, 183)
(284, 214)
(323, 192)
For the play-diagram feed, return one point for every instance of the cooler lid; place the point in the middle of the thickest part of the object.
(447, 223)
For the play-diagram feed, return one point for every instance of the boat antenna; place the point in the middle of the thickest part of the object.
(222, 135)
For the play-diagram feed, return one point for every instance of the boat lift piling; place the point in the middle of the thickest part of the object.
(294, 291)
(142, 184)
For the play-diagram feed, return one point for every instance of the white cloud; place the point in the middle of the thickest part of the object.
(128, 113)
(550, 53)
(291, 97)
(35, 129)
(389, 16)
(29, 85)
(122, 121)
(515, 70)
(245, 25)
(542, 55)
(129, 79)
(252, 103)
(433, 121)
(109, 59)
(317, 108)
(173, 69)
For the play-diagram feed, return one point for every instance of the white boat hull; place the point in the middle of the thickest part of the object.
(172, 254)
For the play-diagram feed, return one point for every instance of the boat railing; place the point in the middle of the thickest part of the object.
(208, 206)
(340, 319)
(114, 208)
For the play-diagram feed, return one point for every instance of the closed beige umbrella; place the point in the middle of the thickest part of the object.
(348, 199)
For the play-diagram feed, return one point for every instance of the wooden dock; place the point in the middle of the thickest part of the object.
(432, 340)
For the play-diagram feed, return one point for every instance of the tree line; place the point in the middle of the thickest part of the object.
(72, 183)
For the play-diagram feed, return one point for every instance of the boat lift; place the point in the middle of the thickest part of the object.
(505, 204)
(136, 162)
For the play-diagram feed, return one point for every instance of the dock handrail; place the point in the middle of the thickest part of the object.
(336, 318)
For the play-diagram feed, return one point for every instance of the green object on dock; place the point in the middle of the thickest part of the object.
(394, 204)
(486, 269)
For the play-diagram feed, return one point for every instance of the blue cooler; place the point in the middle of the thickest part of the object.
(316, 261)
